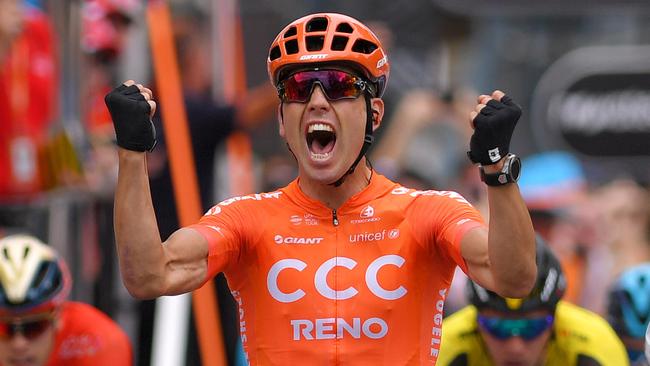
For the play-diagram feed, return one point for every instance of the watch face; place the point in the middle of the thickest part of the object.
(515, 168)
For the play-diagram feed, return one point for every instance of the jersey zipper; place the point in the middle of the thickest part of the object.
(335, 219)
(335, 222)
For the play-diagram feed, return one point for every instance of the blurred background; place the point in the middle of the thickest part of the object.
(580, 71)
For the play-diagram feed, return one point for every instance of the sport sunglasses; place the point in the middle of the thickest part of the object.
(336, 84)
(30, 329)
(504, 328)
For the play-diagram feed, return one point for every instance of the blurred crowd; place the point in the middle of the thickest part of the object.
(598, 229)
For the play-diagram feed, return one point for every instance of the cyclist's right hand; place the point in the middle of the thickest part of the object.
(131, 107)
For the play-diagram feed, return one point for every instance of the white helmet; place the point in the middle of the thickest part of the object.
(32, 277)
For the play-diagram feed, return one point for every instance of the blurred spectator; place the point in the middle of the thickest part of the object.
(38, 325)
(614, 222)
(28, 85)
(210, 124)
(105, 26)
(425, 141)
(629, 310)
(626, 214)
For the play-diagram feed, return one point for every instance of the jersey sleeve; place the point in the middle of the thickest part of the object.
(222, 226)
(441, 220)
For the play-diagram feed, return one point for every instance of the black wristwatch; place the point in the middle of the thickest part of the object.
(508, 174)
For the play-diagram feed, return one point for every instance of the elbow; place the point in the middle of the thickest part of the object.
(141, 292)
(143, 288)
(519, 285)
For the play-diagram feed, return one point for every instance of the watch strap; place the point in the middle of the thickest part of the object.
(502, 177)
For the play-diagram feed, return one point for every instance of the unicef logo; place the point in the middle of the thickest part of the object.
(393, 234)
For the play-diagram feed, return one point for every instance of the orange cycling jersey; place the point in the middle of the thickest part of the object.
(88, 337)
(361, 285)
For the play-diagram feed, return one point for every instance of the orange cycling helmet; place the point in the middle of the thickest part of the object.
(326, 38)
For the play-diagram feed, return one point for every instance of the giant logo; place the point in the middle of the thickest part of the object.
(279, 239)
(320, 279)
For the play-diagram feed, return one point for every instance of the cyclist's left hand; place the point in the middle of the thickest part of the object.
(493, 120)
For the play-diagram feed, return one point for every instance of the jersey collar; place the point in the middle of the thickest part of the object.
(379, 186)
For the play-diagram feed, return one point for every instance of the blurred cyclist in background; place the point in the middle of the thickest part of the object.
(537, 330)
(629, 310)
(38, 326)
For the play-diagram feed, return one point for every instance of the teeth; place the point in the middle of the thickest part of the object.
(320, 156)
(319, 127)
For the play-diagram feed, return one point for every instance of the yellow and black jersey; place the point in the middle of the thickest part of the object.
(580, 338)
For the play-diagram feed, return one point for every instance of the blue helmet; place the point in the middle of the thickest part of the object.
(629, 302)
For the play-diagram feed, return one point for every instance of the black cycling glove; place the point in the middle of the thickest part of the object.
(130, 113)
(493, 128)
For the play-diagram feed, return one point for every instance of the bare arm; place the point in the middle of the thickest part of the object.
(149, 267)
(503, 258)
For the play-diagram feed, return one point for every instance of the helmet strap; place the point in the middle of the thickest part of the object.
(367, 142)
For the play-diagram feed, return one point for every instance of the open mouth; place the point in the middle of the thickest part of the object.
(321, 139)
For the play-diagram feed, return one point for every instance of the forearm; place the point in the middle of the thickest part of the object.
(511, 242)
(141, 255)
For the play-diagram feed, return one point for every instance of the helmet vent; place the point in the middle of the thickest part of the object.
(291, 32)
(339, 43)
(344, 28)
(317, 25)
(26, 252)
(42, 272)
(291, 47)
(363, 46)
(275, 53)
(315, 43)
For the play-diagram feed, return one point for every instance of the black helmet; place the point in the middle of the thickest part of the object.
(548, 290)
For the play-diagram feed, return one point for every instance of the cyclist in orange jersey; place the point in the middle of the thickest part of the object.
(38, 325)
(342, 266)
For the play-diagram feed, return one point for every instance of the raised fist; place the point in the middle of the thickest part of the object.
(131, 107)
(493, 120)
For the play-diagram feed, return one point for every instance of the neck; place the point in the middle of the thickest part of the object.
(333, 197)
